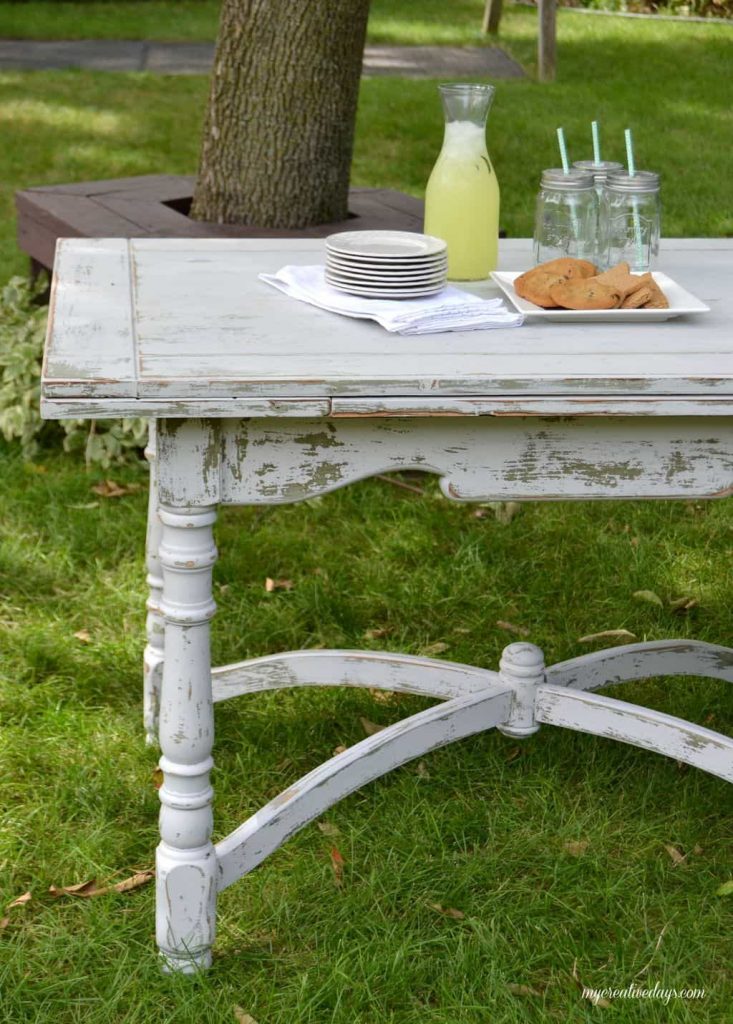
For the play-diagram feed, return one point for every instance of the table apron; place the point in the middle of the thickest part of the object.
(277, 461)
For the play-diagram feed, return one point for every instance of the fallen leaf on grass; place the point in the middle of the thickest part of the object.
(680, 605)
(110, 489)
(243, 1018)
(84, 636)
(20, 901)
(157, 774)
(512, 754)
(576, 848)
(272, 585)
(370, 728)
(339, 749)
(89, 889)
(85, 506)
(457, 915)
(510, 627)
(677, 856)
(523, 990)
(377, 634)
(587, 992)
(422, 770)
(436, 648)
(607, 634)
(649, 596)
(80, 889)
(337, 863)
(726, 889)
(4, 922)
(328, 828)
(382, 696)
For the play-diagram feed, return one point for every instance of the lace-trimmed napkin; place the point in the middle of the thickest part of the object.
(449, 310)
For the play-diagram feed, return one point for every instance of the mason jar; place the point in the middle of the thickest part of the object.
(566, 216)
(600, 171)
(630, 220)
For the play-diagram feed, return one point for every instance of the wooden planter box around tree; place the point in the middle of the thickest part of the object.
(157, 205)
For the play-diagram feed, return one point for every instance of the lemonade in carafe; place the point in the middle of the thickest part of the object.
(462, 196)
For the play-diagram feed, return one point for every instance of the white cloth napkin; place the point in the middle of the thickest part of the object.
(449, 310)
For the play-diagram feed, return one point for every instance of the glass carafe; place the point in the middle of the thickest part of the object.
(462, 196)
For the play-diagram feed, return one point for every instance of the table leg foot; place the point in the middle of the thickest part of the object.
(522, 668)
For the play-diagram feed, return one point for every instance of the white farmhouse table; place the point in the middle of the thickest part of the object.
(256, 399)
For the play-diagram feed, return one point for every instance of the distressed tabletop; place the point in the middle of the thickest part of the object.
(183, 327)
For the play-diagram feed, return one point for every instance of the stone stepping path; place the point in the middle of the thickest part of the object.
(197, 58)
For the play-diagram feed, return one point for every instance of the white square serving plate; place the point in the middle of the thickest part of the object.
(681, 303)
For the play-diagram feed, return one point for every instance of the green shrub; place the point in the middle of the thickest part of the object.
(22, 332)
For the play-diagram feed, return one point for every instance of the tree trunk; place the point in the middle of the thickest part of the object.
(279, 130)
(492, 17)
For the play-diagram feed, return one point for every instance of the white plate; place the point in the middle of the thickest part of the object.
(386, 266)
(391, 279)
(385, 245)
(386, 293)
(681, 303)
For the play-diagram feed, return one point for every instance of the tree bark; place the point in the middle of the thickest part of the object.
(279, 129)
(492, 17)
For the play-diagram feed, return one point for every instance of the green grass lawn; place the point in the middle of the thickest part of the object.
(555, 851)
(391, 21)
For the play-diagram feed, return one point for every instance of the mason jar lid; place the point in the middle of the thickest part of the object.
(642, 181)
(598, 170)
(573, 181)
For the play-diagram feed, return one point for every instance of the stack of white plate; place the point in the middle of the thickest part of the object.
(386, 264)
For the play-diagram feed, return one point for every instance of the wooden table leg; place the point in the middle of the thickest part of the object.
(186, 861)
(154, 623)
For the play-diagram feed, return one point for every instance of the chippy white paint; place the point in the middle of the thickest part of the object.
(257, 401)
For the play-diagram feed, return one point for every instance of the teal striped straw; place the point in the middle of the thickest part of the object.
(566, 170)
(596, 142)
(634, 201)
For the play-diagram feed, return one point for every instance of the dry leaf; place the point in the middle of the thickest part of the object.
(511, 628)
(337, 863)
(370, 728)
(243, 1018)
(89, 889)
(457, 915)
(328, 828)
(422, 770)
(677, 856)
(4, 922)
(480, 513)
(110, 489)
(20, 901)
(377, 634)
(85, 506)
(697, 849)
(84, 636)
(649, 596)
(607, 634)
(436, 648)
(726, 889)
(157, 774)
(680, 605)
(523, 990)
(382, 696)
(512, 754)
(339, 749)
(576, 848)
(80, 889)
(272, 585)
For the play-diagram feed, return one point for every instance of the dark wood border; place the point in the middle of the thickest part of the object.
(156, 206)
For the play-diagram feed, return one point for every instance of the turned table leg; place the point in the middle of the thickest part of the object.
(154, 623)
(186, 860)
